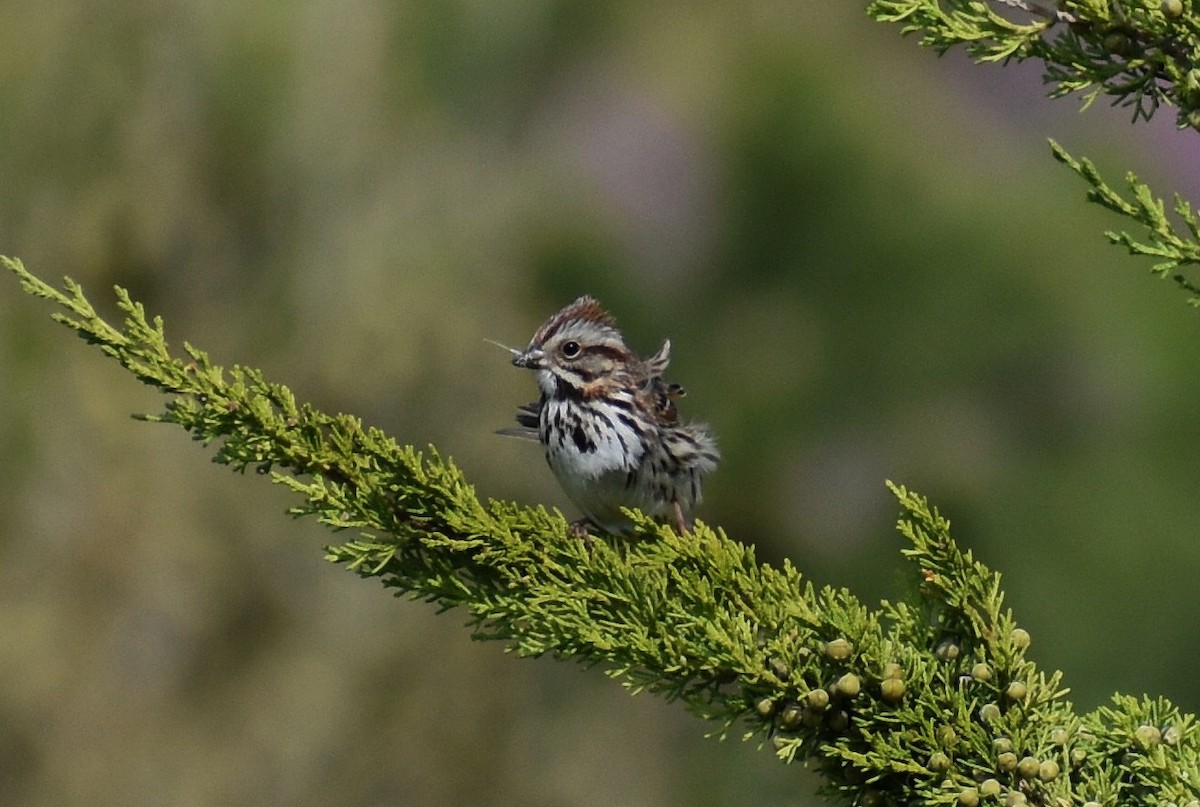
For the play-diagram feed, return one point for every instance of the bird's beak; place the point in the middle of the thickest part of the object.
(532, 358)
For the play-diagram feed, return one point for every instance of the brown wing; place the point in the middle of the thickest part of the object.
(655, 394)
(663, 400)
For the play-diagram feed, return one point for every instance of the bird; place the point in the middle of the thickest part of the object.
(609, 423)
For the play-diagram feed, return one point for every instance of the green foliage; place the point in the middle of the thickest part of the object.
(987, 35)
(929, 699)
(1173, 250)
(1139, 52)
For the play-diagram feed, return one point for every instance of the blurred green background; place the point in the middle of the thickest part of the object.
(868, 264)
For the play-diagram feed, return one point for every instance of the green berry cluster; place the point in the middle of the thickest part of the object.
(1020, 767)
(826, 707)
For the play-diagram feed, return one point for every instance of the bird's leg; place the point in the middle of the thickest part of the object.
(680, 521)
(579, 529)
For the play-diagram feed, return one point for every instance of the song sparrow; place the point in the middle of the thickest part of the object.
(609, 423)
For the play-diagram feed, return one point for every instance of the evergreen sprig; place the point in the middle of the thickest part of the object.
(1143, 53)
(1173, 250)
(930, 699)
(1139, 52)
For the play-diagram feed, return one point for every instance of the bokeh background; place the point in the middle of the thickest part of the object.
(867, 261)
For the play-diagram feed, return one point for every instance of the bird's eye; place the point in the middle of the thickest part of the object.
(570, 349)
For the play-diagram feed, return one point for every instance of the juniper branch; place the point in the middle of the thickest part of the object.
(930, 699)
(1173, 249)
(1139, 52)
